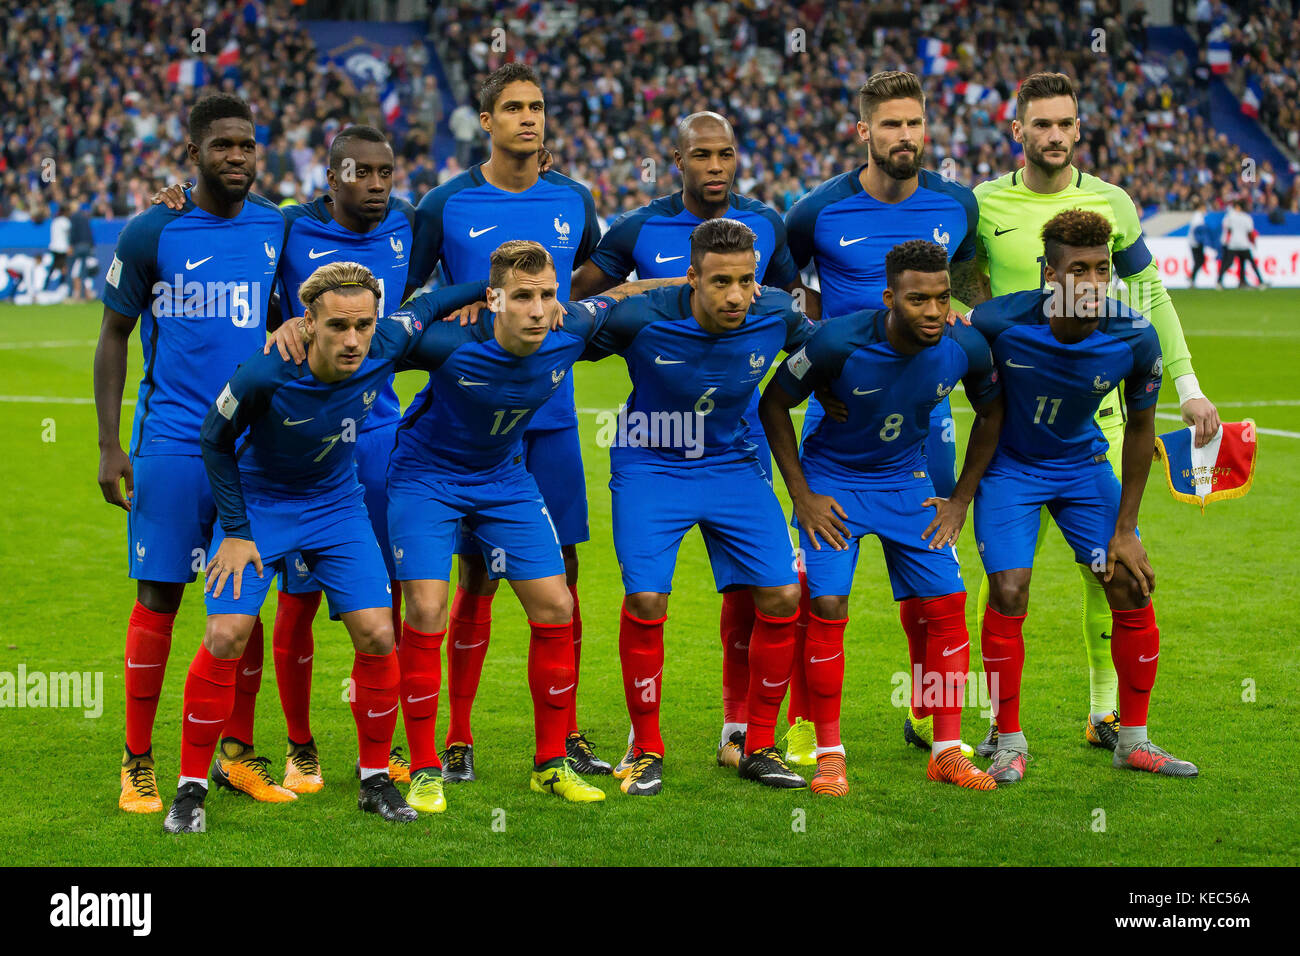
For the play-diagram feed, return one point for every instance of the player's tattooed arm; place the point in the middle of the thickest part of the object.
(1125, 548)
(110, 380)
(819, 515)
(969, 285)
(589, 280)
(950, 512)
(620, 292)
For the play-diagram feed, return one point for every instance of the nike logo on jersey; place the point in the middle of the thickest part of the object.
(867, 391)
(196, 720)
(660, 258)
(195, 265)
(949, 651)
(372, 714)
(1011, 364)
(301, 421)
(313, 254)
(998, 232)
(475, 233)
(463, 381)
(416, 700)
(134, 666)
(660, 360)
(819, 660)
(555, 693)
(849, 242)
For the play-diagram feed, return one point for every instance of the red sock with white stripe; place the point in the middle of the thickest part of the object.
(148, 642)
(552, 681)
(641, 654)
(419, 657)
(913, 620)
(735, 626)
(1135, 649)
(771, 655)
(947, 660)
(374, 708)
(1003, 647)
(293, 648)
(468, 630)
(824, 664)
(209, 696)
(248, 681)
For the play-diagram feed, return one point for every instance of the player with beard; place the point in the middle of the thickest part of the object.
(200, 278)
(846, 226)
(1009, 250)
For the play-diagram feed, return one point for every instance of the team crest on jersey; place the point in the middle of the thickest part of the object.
(270, 250)
(756, 363)
(557, 375)
(139, 549)
(940, 237)
(561, 230)
(300, 566)
(369, 397)
(1100, 385)
(397, 553)
(396, 244)
(941, 390)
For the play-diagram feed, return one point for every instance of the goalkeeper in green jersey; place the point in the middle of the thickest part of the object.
(1009, 258)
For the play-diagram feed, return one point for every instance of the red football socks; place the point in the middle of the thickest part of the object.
(947, 659)
(420, 658)
(798, 677)
(1003, 648)
(1134, 648)
(248, 681)
(910, 613)
(736, 625)
(468, 630)
(641, 652)
(148, 642)
(293, 647)
(374, 706)
(771, 653)
(577, 660)
(552, 681)
(209, 697)
(823, 659)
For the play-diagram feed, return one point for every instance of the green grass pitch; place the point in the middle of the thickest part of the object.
(1226, 696)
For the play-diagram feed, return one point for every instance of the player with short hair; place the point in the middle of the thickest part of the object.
(1059, 353)
(846, 226)
(655, 241)
(682, 457)
(1010, 256)
(868, 476)
(201, 279)
(459, 224)
(293, 489)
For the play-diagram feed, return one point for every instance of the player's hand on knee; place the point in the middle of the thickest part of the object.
(231, 558)
(173, 196)
(115, 468)
(822, 517)
(288, 338)
(466, 315)
(1126, 549)
(835, 408)
(1201, 413)
(949, 519)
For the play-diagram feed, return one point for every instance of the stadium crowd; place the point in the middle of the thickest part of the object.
(88, 85)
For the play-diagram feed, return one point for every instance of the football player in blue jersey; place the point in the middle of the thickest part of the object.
(868, 476)
(847, 225)
(655, 240)
(681, 456)
(1060, 352)
(459, 224)
(200, 278)
(292, 489)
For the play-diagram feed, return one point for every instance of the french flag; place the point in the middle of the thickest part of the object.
(187, 73)
(1219, 56)
(392, 106)
(1224, 468)
(229, 55)
(933, 55)
(1251, 98)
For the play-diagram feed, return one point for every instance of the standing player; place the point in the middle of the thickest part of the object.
(201, 277)
(848, 224)
(655, 241)
(1059, 352)
(293, 489)
(1013, 210)
(694, 356)
(891, 367)
(459, 224)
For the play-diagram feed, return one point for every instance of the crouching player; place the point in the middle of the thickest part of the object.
(867, 475)
(1059, 352)
(293, 488)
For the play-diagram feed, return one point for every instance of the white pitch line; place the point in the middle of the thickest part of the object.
(49, 344)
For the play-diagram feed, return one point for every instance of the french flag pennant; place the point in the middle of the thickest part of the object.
(1224, 468)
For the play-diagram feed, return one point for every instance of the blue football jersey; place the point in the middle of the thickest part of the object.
(468, 422)
(889, 395)
(848, 234)
(1053, 390)
(655, 241)
(460, 223)
(313, 239)
(302, 431)
(202, 288)
(693, 383)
